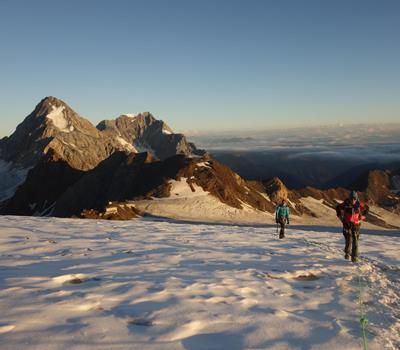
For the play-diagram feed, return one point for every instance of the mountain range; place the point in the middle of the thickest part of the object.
(58, 163)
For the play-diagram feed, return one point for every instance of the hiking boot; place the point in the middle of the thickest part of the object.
(347, 256)
(354, 260)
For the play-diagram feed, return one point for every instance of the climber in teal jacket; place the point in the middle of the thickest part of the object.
(282, 217)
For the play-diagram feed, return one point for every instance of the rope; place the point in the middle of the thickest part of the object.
(363, 317)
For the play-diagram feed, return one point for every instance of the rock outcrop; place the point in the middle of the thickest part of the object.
(379, 188)
(43, 186)
(124, 178)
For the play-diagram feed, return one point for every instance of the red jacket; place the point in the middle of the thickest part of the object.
(352, 213)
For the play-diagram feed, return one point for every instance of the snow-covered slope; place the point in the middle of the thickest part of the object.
(192, 203)
(152, 284)
(11, 177)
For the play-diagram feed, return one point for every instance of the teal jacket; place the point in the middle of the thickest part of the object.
(281, 211)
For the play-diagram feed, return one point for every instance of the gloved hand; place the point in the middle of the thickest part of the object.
(287, 220)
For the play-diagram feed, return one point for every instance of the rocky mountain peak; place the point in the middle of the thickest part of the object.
(47, 104)
(54, 126)
(145, 118)
(146, 133)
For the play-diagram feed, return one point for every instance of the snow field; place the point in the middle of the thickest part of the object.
(58, 118)
(157, 284)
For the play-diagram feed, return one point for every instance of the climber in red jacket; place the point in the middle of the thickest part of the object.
(351, 212)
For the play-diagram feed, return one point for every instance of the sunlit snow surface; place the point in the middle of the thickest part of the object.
(153, 284)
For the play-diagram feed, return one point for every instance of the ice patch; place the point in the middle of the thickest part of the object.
(58, 119)
(203, 165)
(167, 132)
(11, 178)
(126, 145)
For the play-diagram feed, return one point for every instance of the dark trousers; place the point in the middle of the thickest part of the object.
(351, 233)
(282, 223)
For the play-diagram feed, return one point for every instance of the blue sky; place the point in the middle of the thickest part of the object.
(204, 65)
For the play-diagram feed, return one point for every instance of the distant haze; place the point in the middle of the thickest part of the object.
(294, 138)
(318, 156)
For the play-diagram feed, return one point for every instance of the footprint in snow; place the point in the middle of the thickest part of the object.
(306, 277)
(141, 322)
